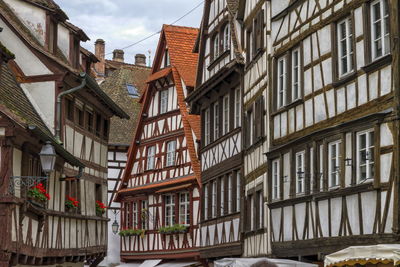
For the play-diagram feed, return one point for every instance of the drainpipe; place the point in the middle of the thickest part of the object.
(82, 75)
(59, 97)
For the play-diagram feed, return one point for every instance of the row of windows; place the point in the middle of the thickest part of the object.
(219, 116)
(255, 37)
(289, 68)
(86, 118)
(222, 196)
(221, 41)
(137, 215)
(364, 164)
(169, 159)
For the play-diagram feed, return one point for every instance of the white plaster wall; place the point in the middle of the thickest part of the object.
(113, 250)
(42, 96)
(34, 18)
(63, 39)
(26, 60)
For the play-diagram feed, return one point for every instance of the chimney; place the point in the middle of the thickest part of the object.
(140, 59)
(118, 55)
(99, 47)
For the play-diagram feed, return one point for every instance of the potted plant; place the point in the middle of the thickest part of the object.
(173, 229)
(100, 208)
(71, 204)
(132, 232)
(38, 195)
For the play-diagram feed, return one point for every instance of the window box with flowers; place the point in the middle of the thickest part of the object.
(174, 229)
(132, 232)
(71, 205)
(37, 195)
(100, 208)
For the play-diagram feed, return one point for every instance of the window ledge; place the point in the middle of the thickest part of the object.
(288, 106)
(260, 141)
(377, 63)
(218, 59)
(345, 79)
(254, 232)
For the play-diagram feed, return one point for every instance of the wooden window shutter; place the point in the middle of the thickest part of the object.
(259, 30)
(256, 120)
(248, 213)
(261, 115)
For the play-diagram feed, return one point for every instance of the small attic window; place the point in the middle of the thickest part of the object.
(132, 90)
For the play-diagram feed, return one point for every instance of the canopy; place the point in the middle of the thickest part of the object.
(384, 253)
(259, 262)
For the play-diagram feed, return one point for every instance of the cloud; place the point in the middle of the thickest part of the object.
(124, 22)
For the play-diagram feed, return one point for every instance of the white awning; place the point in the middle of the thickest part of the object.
(179, 264)
(384, 253)
(260, 262)
(150, 263)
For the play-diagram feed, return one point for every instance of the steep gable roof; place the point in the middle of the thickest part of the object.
(180, 42)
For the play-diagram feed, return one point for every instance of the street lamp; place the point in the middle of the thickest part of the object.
(48, 157)
(115, 227)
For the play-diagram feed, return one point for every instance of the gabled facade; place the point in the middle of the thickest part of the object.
(256, 29)
(47, 65)
(217, 97)
(161, 183)
(334, 152)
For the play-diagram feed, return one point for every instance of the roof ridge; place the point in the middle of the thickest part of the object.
(179, 26)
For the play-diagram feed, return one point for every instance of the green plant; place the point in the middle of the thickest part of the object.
(38, 192)
(132, 232)
(100, 207)
(173, 229)
(71, 203)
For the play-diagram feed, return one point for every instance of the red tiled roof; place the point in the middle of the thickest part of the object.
(194, 121)
(159, 74)
(180, 41)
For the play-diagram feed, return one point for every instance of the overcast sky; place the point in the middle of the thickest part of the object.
(124, 22)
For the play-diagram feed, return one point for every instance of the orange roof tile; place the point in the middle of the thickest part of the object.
(181, 41)
(159, 74)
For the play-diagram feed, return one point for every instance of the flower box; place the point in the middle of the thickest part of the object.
(132, 232)
(174, 229)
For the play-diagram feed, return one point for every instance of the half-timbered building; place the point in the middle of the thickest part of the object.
(160, 189)
(255, 17)
(47, 88)
(125, 86)
(217, 97)
(333, 160)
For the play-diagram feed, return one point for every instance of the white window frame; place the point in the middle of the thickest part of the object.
(369, 151)
(384, 37)
(135, 219)
(346, 40)
(334, 156)
(169, 209)
(164, 101)
(238, 108)
(151, 154)
(207, 126)
(226, 42)
(225, 115)
(281, 82)
(184, 208)
(214, 199)
(222, 196)
(216, 120)
(171, 151)
(300, 167)
(230, 199)
(275, 179)
(145, 221)
(321, 168)
(206, 202)
(216, 45)
(238, 191)
(296, 74)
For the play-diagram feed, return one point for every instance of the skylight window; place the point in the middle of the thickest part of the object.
(132, 91)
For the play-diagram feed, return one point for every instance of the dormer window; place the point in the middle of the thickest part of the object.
(51, 36)
(132, 91)
(167, 60)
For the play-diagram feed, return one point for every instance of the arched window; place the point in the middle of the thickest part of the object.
(216, 46)
(227, 37)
